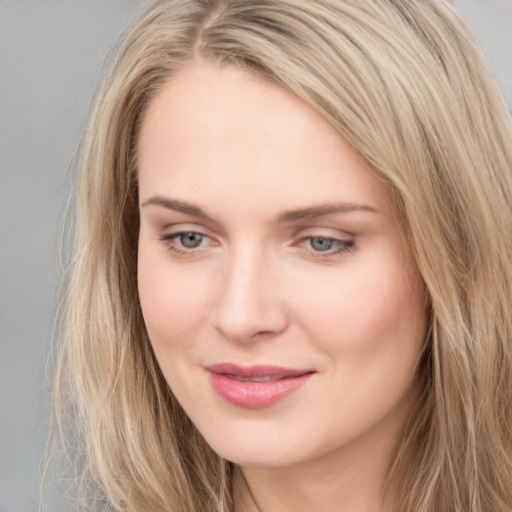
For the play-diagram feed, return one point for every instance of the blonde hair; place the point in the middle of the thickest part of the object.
(404, 83)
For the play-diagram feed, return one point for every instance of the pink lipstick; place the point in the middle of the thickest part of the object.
(254, 387)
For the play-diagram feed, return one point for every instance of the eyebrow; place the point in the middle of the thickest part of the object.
(325, 209)
(309, 213)
(178, 206)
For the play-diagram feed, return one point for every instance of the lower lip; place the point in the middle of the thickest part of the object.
(255, 395)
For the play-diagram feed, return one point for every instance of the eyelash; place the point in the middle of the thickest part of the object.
(341, 246)
(172, 245)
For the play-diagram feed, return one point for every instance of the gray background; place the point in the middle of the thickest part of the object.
(50, 60)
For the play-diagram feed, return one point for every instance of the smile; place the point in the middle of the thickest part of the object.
(252, 379)
(255, 387)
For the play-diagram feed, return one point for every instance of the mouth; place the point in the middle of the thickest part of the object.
(255, 387)
(252, 379)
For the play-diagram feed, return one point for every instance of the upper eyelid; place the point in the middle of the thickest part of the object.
(173, 230)
(160, 221)
(324, 231)
(316, 227)
(185, 227)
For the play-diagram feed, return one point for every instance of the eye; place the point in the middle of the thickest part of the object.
(321, 244)
(190, 240)
(324, 245)
(185, 242)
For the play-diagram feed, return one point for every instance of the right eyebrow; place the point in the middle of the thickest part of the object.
(178, 206)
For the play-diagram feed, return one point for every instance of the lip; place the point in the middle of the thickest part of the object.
(255, 387)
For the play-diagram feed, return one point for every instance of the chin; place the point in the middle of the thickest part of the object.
(269, 457)
(260, 446)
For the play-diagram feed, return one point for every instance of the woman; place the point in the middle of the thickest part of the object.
(290, 287)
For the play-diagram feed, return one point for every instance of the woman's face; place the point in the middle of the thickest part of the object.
(284, 309)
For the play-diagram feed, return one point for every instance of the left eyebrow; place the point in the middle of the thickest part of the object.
(314, 212)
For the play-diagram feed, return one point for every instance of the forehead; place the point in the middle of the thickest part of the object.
(223, 130)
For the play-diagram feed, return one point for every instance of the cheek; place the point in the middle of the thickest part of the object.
(372, 308)
(171, 302)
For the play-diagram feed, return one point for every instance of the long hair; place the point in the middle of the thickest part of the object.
(405, 84)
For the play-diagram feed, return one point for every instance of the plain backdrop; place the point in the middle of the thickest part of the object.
(51, 54)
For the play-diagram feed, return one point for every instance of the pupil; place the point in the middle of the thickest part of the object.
(191, 240)
(321, 244)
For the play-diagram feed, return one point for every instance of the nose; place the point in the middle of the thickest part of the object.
(249, 304)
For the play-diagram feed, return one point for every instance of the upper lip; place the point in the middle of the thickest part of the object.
(247, 372)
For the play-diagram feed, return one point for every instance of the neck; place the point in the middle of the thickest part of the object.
(276, 491)
(351, 479)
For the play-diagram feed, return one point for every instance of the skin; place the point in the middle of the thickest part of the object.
(258, 290)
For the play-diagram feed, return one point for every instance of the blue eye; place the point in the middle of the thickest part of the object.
(185, 242)
(321, 244)
(324, 244)
(190, 240)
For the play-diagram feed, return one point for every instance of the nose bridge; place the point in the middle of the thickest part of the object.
(248, 302)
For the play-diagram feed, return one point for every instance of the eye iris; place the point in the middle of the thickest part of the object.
(191, 240)
(321, 244)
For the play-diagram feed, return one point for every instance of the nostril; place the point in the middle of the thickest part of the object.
(246, 322)
(248, 304)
